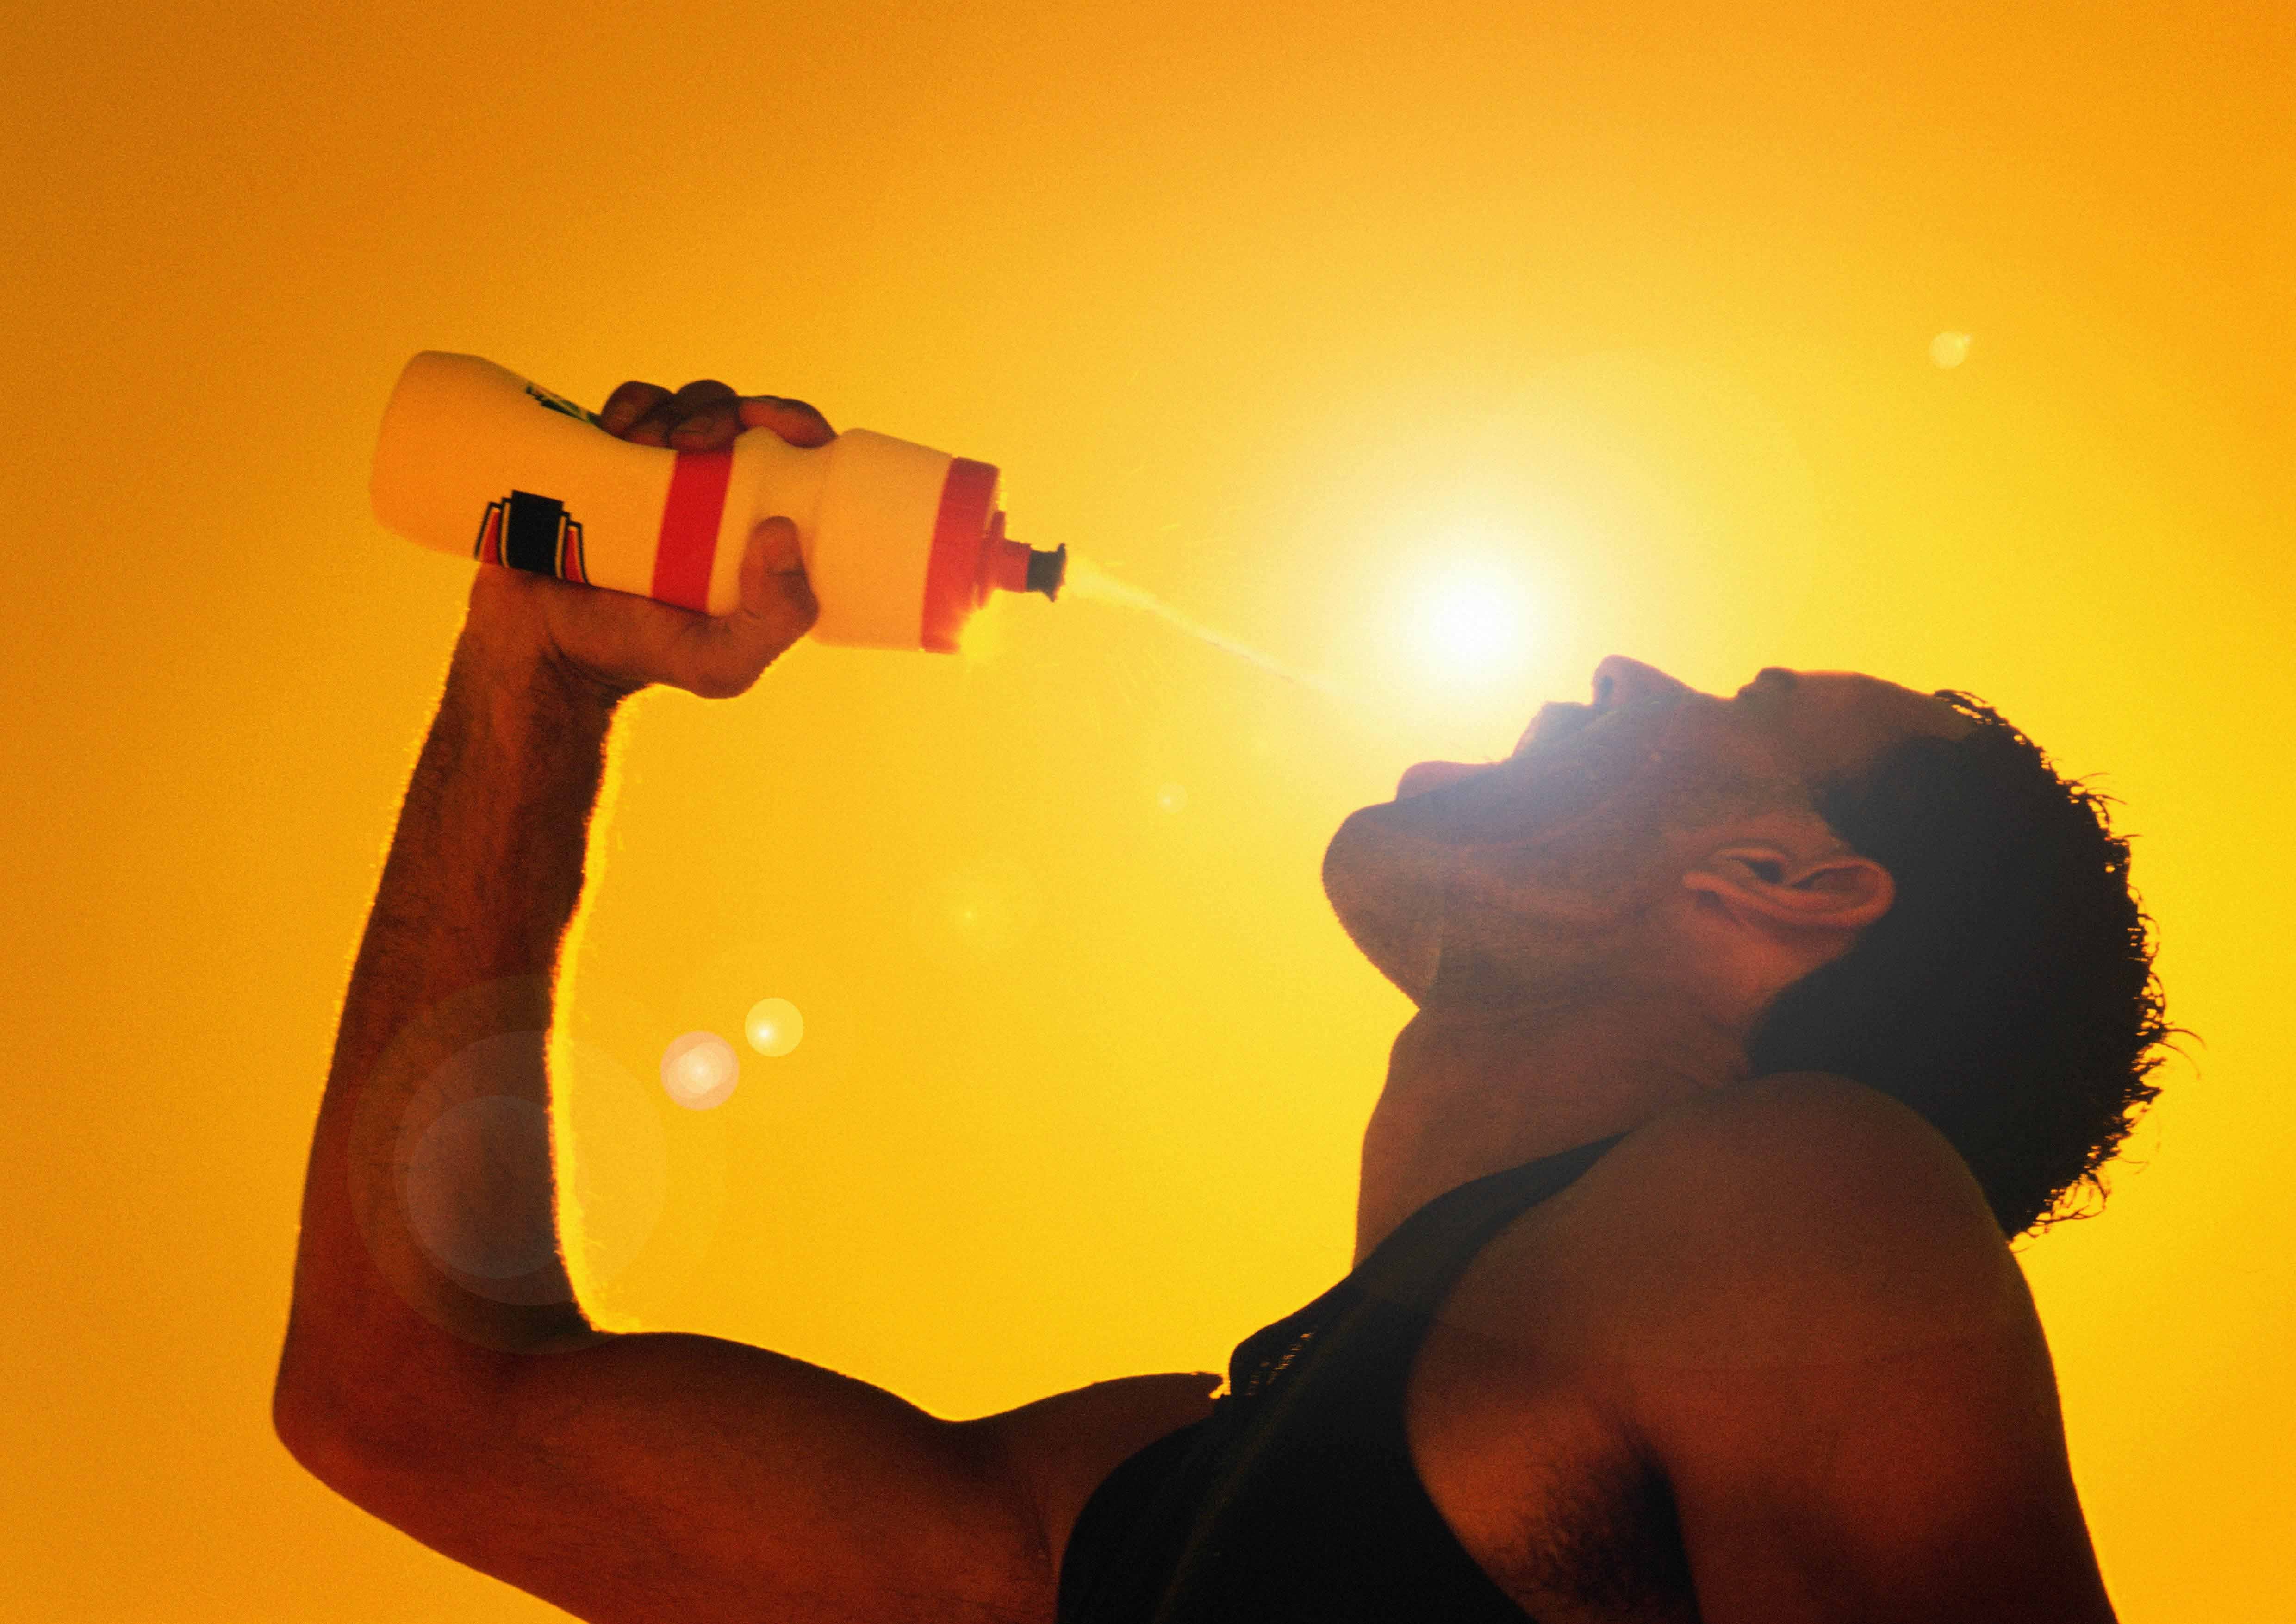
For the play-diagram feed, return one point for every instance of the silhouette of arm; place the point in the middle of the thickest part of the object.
(624, 1477)
(438, 1369)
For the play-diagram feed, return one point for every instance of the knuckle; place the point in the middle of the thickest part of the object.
(626, 406)
(636, 396)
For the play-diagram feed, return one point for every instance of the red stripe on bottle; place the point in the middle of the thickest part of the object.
(690, 517)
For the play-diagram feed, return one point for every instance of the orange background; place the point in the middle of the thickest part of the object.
(1271, 311)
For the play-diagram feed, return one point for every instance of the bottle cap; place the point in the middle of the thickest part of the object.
(1016, 567)
(972, 556)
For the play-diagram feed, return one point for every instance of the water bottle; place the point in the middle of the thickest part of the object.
(902, 544)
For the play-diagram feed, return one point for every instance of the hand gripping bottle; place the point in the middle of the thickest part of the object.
(901, 543)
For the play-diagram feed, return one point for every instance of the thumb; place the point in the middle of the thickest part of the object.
(778, 539)
(774, 586)
(723, 655)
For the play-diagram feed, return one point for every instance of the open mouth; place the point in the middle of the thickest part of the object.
(1553, 725)
(1554, 722)
(1424, 776)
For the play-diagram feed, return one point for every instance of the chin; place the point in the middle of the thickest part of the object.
(1388, 891)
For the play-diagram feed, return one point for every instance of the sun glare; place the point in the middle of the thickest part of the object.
(1469, 623)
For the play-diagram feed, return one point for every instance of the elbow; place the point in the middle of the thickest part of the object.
(337, 1441)
(358, 1394)
(316, 1442)
(307, 1417)
(386, 1399)
(367, 1458)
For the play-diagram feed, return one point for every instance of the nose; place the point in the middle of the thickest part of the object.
(1621, 681)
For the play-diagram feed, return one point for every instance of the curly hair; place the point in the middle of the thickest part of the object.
(2008, 995)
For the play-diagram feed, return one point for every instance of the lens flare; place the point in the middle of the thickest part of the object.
(699, 1070)
(773, 1026)
(1949, 350)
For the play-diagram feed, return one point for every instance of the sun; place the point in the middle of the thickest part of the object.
(1470, 622)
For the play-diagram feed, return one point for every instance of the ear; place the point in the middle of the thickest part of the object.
(1771, 886)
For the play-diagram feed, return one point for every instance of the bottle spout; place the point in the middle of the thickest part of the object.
(1017, 567)
(1047, 570)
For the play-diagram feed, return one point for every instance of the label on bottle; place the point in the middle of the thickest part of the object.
(559, 403)
(533, 533)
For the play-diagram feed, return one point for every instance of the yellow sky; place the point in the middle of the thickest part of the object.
(1281, 314)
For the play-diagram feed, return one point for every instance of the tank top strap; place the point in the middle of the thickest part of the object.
(1296, 1497)
(1414, 1268)
(1381, 1308)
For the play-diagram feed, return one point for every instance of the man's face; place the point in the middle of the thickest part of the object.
(1529, 872)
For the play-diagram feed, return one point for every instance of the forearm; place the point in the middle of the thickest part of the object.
(429, 1244)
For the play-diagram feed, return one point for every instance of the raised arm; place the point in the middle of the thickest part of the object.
(438, 1369)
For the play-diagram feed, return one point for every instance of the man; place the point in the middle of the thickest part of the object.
(1658, 1314)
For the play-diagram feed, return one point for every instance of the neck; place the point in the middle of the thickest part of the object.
(1474, 1090)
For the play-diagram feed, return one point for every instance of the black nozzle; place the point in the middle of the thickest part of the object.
(1047, 570)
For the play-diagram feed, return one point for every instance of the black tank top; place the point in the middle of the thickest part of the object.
(1296, 1499)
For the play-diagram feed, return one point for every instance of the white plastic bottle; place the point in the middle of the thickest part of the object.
(901, 543)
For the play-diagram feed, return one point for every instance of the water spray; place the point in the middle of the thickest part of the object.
(1087, 581)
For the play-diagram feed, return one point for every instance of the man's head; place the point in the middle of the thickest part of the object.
(1839, 873)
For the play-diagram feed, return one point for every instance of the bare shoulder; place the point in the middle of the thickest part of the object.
(1790, 1306)
(1791, 1216)
(1813, 1144)
(1821, 1338)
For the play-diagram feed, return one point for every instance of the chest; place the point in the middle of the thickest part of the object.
(1542, 1484)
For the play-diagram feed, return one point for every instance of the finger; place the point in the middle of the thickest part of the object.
(706, 397)
(705, 416)
(776, 609)
(777, 604)
(702, 416)
(628, 403)
(775, 542)
(794, 421)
